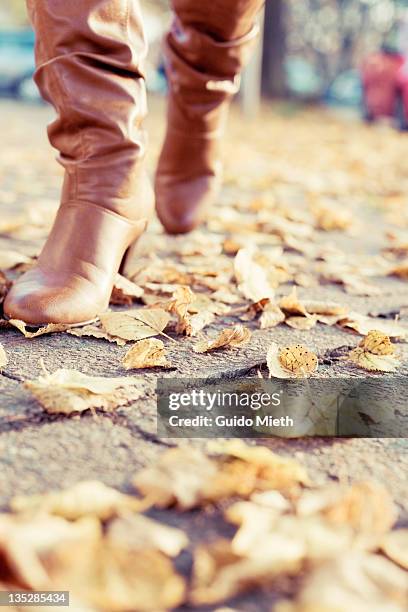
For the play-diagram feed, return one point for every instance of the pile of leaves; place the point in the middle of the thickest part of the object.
(301, 541)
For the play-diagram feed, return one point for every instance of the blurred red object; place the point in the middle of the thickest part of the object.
(385, 87)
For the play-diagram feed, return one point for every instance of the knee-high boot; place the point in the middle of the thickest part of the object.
(205, 51)
(89, 57)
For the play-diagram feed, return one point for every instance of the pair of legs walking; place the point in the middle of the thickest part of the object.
(89, 58)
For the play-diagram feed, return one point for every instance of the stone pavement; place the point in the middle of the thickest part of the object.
(39, 452)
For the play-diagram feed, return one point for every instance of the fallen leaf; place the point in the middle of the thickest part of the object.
(235, 336)
(25, 541)
(378, 343)
(135, 324)
(179, 305)
(302, 323)
(370, 361)
(401, 271)
(67, 391)
(93, 331)
(290, 362)
(3, 357)
(364, 324)
(51, 328)
(220, 574)
(367, 507)
(330, 218)
(271, 316)
(291, 304)
(252, 278)
(148, 353)
(188, 478)
(136, 532)
(83, 499)
(354, 581)
(395, 546)
(125, 292)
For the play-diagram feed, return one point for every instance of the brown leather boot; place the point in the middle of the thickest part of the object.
(89, 57)
(205, 52)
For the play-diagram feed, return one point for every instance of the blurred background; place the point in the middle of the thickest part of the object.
(347, 53)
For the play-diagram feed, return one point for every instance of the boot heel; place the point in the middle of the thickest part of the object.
(130, 252)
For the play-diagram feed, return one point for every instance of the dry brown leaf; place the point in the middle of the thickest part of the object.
(26, 540)
(366, 507)
(3, 357)
(83, 499)
(125, 292)
(356, 581)
(271, 316)
(51, 328)
(364, 324)
(291, 362)
(401, 271)
(254, 309)
(302, 323)
(135, 324)
(235, 336)
(329, 218)
(180, 477)
(187, 477)
(67, 391)
(219, 573)
(373, 362)
(10, 259)
(325, 308)
(291, 304)
(395, 546)
(93, 331)
(136, 532)
(179, 306)
(377, 343)
(114, 579)
(252, 278)
(199, 321)
(148, 353)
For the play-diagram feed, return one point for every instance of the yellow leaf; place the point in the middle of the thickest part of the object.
(235, 336)
(148, 353)
(370, 361)
(94, 331)
(302, 323)
(125, 292)
(51, 328)
(290, 362)
(252, 277)
(83, 499)
(395, 546)
(135, 324)
(364, 324)
(291, 304)
(377, 343)
(67, 391)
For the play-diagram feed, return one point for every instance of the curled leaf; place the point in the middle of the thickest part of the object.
(148, 353)
(235, 336)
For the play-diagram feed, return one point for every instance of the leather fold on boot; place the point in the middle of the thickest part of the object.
(203, 75)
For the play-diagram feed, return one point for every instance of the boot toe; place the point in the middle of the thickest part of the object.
(183, 206)
(39, 305)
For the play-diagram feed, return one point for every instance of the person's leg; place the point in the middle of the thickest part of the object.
(205, 51)
(89, 58)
